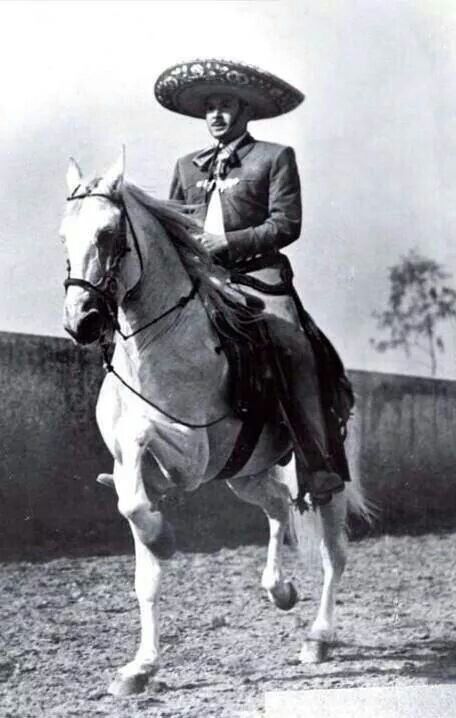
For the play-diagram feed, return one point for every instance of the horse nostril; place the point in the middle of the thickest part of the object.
(90, 327)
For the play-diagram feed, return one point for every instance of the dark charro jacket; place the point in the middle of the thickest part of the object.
(260, 195)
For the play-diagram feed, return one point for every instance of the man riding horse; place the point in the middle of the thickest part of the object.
(247, 194)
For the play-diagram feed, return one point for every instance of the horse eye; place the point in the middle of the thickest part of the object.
(105, 236)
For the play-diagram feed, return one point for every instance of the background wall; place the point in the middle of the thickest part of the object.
(407, 448)
(51, 453)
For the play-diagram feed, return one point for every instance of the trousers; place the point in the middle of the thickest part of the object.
(318, 473)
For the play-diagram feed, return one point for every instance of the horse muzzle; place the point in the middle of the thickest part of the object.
(85, 316)
(89, 328)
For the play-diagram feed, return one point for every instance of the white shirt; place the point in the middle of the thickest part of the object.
(214, 222)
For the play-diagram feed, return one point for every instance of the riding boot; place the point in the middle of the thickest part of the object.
(316, 471)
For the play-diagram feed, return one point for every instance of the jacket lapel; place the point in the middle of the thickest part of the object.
(244, 147)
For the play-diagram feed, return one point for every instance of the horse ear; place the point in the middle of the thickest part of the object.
(73, 176)
(114, 176)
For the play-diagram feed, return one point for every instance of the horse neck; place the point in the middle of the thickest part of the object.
(172, 362)
(164, 279)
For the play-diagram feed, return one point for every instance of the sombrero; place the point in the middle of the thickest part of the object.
(185, 87)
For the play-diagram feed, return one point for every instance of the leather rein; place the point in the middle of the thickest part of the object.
(106, 288)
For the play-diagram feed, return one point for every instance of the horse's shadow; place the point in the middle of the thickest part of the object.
(433, 661)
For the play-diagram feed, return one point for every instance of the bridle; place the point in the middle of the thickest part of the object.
(106, 289)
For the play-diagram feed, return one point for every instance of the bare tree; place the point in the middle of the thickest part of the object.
(419, 301)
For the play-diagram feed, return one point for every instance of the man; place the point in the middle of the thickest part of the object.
(248, 194)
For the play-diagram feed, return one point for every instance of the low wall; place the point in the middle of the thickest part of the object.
(51, 453)
(406, 430)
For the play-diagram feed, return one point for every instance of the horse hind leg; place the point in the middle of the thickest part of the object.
(330, 522)
(266, 492)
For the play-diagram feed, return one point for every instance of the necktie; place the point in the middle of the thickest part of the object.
(206, 159)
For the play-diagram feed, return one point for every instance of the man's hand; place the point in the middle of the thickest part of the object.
(213, 243)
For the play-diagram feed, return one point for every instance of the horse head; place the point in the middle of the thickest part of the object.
(94, 232)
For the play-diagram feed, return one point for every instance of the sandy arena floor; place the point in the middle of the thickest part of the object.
(68, 623)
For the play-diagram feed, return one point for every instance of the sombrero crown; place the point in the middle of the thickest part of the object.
(185, 87)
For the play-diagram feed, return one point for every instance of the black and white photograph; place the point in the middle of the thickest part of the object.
(228, 358)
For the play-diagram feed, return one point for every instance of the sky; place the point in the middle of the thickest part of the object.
(375, 139)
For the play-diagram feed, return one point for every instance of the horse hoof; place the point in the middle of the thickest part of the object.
(285, 600)
(106, 480)
(315, 651)
(123, 686)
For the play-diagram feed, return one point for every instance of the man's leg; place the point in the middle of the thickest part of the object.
(305, 411)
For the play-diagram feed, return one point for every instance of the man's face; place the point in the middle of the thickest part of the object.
(223, 117)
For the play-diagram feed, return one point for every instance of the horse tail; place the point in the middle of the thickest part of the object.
(359, 505)
(306, 529)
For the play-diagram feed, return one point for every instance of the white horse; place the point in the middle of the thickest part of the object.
(163, 413)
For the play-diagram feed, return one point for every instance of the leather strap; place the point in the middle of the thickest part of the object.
(262, 262)
(244, 446)
(240, 275)
(254, 283)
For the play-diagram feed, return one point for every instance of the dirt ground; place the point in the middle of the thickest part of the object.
(66, 624)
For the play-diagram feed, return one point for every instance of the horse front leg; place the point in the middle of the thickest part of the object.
(331, 519)
(154, 540)
(281, 593)
(134, 676)
(265, 491)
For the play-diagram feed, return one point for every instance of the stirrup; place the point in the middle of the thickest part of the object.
(311, 497)
(323, 484)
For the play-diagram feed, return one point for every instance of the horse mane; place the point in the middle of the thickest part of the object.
(183, 227)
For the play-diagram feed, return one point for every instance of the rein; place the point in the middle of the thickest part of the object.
(107, 287)
(180, 304)
(108, 367)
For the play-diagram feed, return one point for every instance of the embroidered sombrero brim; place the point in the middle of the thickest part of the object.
(185, 87)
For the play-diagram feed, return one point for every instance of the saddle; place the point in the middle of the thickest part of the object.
(257, 384)
(251, 390)
(250, 378)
